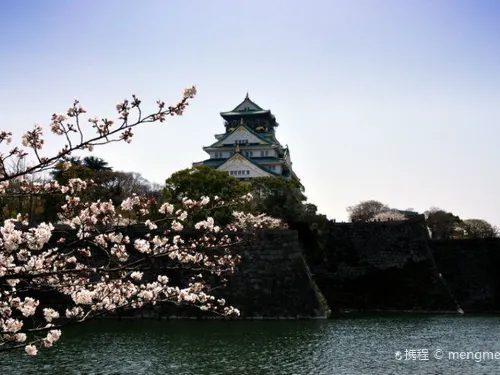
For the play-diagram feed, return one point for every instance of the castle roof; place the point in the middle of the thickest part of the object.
(246, 107)
(260, 138)
(217, 163)
(239, 157)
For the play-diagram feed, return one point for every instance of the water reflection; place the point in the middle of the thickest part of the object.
(363, 345)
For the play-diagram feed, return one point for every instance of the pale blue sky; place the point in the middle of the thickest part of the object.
(390, 100)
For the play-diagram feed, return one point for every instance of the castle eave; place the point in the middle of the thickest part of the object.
(244, 113)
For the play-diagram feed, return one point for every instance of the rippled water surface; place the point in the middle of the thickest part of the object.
(361, 345)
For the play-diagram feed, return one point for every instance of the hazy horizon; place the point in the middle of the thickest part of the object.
(386, 100)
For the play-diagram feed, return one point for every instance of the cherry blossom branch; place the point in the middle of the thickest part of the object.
(95, 268)
(34, 140)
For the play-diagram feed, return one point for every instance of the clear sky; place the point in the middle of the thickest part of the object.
(397, 101)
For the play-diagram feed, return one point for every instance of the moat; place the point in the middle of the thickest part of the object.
(347, 345)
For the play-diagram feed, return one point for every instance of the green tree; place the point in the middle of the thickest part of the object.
(277, 197)
(193, 183)
(58, 170)
(366, 210)
(88, 168)
(96, 164)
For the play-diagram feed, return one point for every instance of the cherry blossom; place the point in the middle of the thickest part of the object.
(99, 265)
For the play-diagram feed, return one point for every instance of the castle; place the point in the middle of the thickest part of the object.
(249, 148)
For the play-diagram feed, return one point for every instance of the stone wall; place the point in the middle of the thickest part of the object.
(272, 280)
(472, 271)
(381, 266)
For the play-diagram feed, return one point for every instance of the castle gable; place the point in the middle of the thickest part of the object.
(239, 166)
(241, 135)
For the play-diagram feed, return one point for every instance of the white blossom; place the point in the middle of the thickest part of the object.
(136, 275)
(49, 314)
(177, 226)
(166, 208)
(99, 269)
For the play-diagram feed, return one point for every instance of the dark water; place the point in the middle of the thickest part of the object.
(362, 345)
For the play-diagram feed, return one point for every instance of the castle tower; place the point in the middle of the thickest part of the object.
(248, 148)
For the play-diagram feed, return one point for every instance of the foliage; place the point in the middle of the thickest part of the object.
(366, 210)
(96, 164)
(200, 181)
(313, 232)
(285, 199)
(442, 224)
(273, 196)
(278, 197)
(478, 228)
(94, 267)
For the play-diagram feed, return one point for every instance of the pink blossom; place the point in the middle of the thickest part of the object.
(31, 349)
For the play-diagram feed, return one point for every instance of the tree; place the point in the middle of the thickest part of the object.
(202, 180)
(71, 168)
(278, 197)
(17, 202)
(193, 183)
(478, 228)
(442, 224)
(63, 173)
(96, 268)
(390, 215)
(366, 210)
(96, 164)
(123, 184)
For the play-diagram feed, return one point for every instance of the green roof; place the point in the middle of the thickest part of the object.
(248, 129)
(242, 147)
(211, 162)
(216, 163)
(254, 160)
(248, 102)
(247, 107)
(268, 159)
(243, 113)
